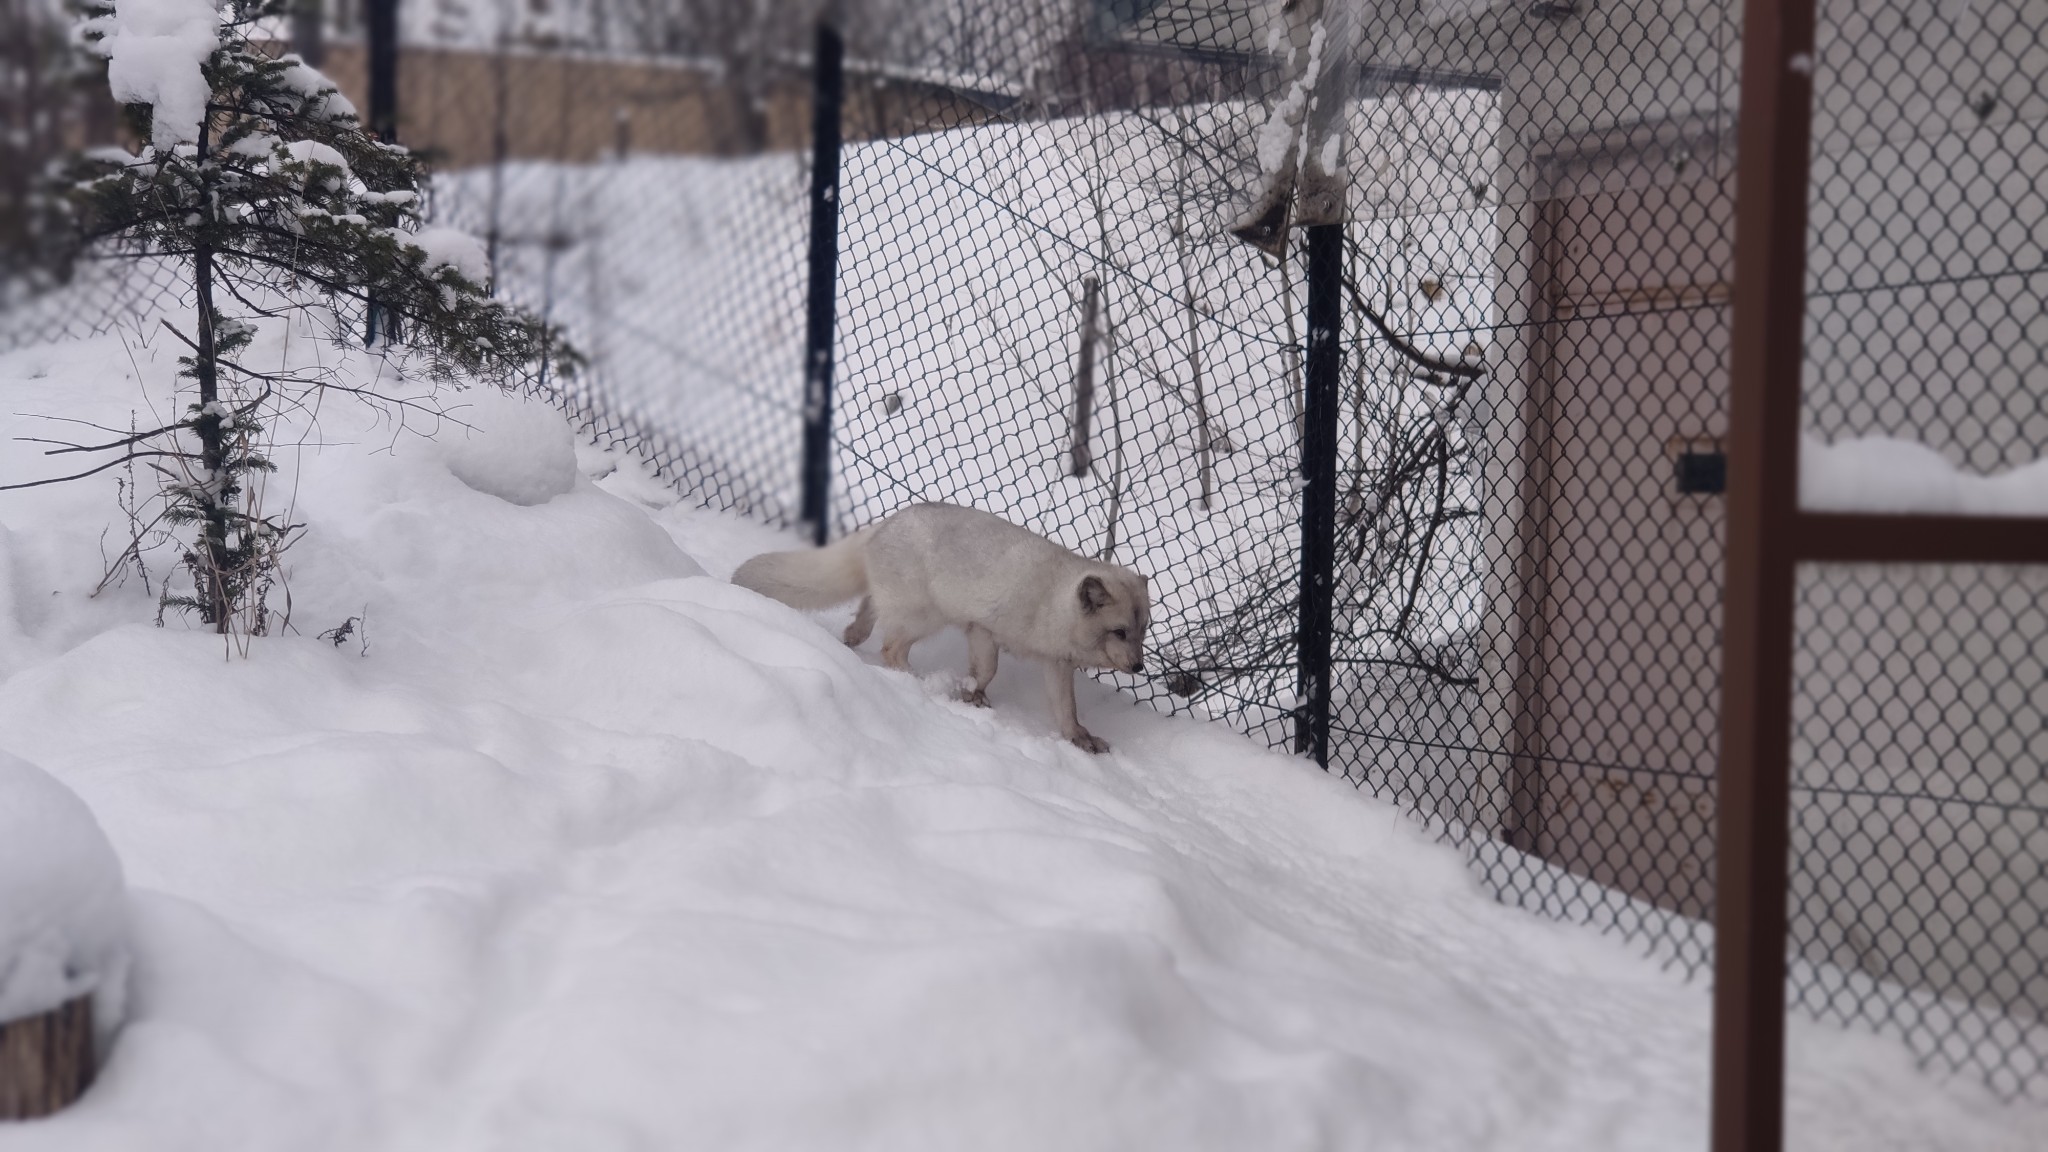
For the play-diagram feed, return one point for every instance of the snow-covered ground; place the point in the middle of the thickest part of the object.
(574, 845)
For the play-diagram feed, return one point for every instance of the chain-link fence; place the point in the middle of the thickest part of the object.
(1919, 866)
(1057, 300)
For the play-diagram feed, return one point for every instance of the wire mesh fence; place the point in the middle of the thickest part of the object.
(1920, 800)
(1590, 724)
(1056, 302)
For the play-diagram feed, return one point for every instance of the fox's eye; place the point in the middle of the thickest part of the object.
(1118, 633)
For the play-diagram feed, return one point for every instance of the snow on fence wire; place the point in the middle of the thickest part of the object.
(1042, 311)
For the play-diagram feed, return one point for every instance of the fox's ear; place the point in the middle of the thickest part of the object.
(1094, 594)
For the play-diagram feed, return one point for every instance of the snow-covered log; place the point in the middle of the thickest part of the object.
(63, 941)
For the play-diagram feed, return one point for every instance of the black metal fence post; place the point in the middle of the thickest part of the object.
(1319, 488)
(381, 17)
(309, 31)
(827, 90)
(381, 33)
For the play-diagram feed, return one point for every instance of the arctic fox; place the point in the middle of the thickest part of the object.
(931, 565)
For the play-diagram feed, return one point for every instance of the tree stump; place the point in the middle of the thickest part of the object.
(46, 1061)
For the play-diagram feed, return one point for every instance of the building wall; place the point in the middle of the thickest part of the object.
(1921, 810)
(1631, 370)
(460, 106)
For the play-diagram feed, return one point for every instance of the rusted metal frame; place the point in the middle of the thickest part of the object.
(1763, 485)
(1855, 538)
(1523, 817)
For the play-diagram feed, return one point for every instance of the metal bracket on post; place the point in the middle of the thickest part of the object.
(1319, 488)
(827, 95)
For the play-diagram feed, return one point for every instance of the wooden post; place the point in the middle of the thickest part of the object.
(1084, 377)
(46, 1061)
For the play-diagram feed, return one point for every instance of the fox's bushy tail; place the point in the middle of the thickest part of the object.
(813, 579)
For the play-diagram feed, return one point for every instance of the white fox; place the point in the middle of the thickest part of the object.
(931, 565)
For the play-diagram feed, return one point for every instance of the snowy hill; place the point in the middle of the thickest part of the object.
(571, 844)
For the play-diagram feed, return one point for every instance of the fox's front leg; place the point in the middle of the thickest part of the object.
(1059, 689)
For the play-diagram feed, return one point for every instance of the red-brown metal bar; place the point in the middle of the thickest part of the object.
(1843, 538)
(1763, 486)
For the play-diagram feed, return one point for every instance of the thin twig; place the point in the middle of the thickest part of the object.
(114, 463)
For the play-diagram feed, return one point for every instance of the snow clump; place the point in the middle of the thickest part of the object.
(516, 449)
(316, 88)
(154, 49)
(453, 248)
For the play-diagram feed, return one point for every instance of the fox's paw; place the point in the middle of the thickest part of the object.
(1089, 742)
(974, 696)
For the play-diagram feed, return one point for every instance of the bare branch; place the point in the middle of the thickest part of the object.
(182, 338)
(121, 443)
(115, 463)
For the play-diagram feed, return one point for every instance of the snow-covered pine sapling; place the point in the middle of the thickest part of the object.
(234, 554)
(259, 174)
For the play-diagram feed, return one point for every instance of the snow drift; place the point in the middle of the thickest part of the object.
(570, 843)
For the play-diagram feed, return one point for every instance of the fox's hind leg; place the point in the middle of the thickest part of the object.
(896, 644)
(900, 630)
(863, 623)
(981, 663)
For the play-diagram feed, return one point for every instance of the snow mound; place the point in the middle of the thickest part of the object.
(1886, 475)
(62, 899)
(516, 449)
(572, 845)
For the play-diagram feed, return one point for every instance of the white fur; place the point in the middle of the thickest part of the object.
(811, 580)
(934, 565)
